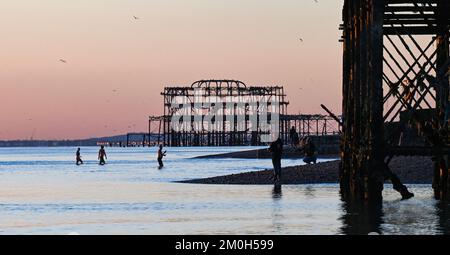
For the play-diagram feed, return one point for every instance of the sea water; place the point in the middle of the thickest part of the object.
(42, 191)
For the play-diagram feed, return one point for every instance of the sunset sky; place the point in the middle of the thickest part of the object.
(116, 65)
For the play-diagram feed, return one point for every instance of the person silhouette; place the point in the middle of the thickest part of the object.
(310, 151)
(102, 155)
(78, 158)
(276, 150)
(161, 155)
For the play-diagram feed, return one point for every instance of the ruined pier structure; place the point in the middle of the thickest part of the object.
(231, 135)
(395, 92)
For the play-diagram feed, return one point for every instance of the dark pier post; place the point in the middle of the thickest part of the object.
(159, 131)
(160, 121)
(373, 79)
(149, 132)
(361, 172)
(441, 181)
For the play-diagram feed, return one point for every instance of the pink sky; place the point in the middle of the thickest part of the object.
(174, 42)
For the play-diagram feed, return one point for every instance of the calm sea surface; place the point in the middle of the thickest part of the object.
(42, 191)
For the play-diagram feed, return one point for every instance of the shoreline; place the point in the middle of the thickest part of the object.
(288, 153)
(410, 170)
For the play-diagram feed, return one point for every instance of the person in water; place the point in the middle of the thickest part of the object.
(276, 151)
(78, 156)
(102, 155)
(161, 155)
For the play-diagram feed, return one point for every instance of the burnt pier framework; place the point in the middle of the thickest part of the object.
(231, 135)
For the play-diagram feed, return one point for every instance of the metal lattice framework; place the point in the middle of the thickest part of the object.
(395, 91)
(311, 124)
(230, 135)
(306, 125)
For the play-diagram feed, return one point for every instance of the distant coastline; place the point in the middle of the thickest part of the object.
(117, 140)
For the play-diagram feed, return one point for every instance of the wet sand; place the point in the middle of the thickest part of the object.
(410, 170)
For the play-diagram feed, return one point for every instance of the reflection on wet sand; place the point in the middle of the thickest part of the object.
(361, 218)
(42, 191)
(277, 211)
(277, 192)
(443, 212)
(419, 216)
(309, 191)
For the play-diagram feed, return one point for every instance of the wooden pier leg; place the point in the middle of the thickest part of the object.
(362, 176)
(159, 133)
(437, 178)
(443, 178)
(149, 133)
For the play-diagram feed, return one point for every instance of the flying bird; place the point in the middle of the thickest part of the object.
(62, 60)
(135, 17)
(301, 39)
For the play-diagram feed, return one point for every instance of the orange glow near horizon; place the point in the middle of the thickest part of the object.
(116, 66)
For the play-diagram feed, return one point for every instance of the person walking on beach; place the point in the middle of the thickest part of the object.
(276, 150)
(78, 157)
(292, 133)
(310, 152)
(102, 155)
(295, 139)
(161, 155)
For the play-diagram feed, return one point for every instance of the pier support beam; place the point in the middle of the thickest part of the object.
(362, 174)
(394, 83)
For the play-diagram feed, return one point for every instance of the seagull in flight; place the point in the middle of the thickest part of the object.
(62, 60)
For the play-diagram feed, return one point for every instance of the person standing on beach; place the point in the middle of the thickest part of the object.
(276, 150)
(102, 155)
(161, 155)
(295, 139)
(292, 133)
(310, 152)
(78, 157)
